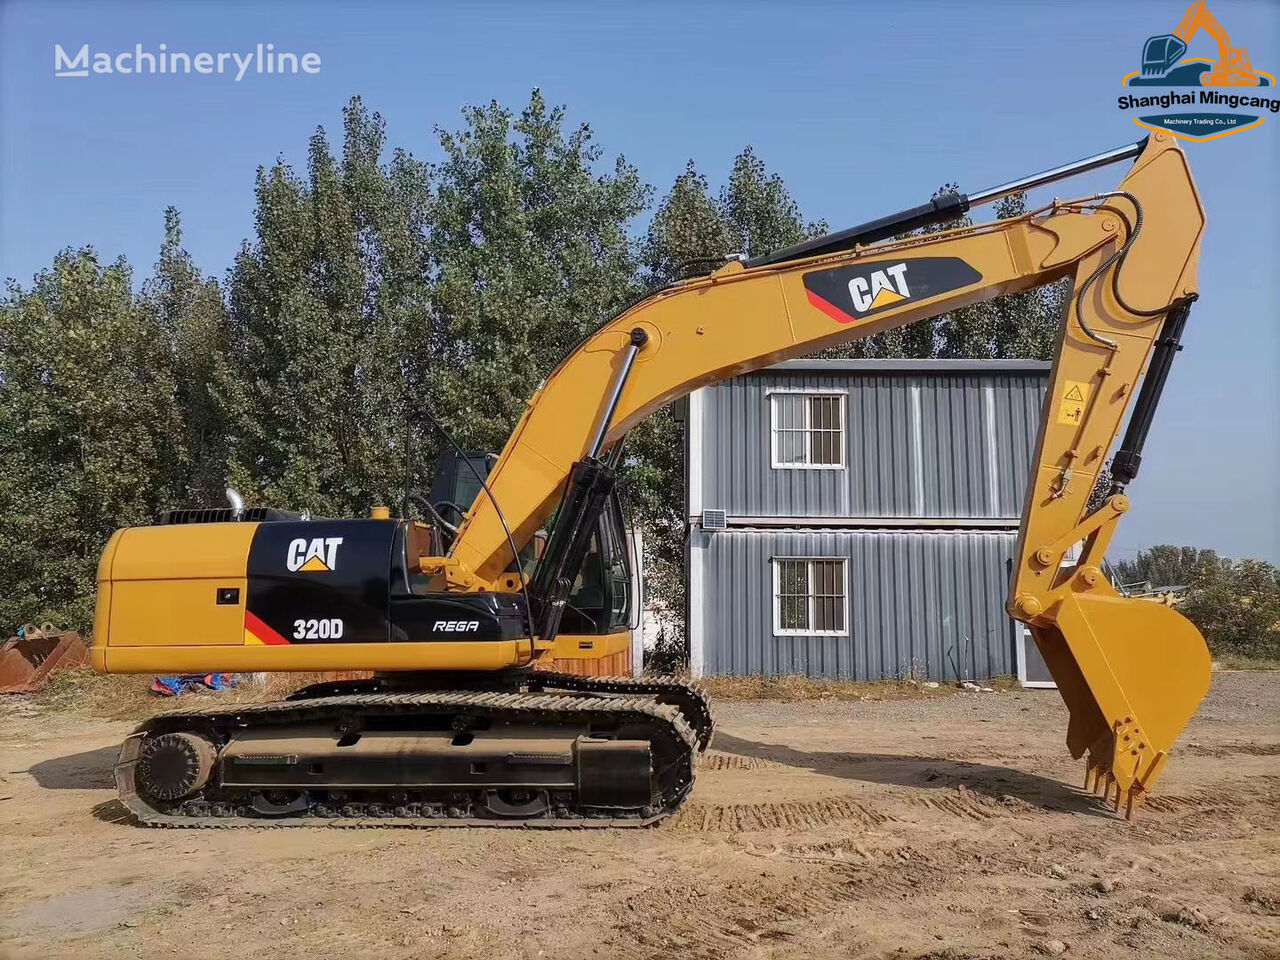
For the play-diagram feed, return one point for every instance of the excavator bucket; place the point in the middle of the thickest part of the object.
(27, 659)
(1131, 675)
(1160, 54)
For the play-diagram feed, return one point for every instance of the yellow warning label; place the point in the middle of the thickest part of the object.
(1075, 395)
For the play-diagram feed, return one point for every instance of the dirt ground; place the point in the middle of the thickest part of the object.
(945, 828)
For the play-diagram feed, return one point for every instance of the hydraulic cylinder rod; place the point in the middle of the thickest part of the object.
(1125, 462)
(638, 339)
(947, 207)
(1055, 174)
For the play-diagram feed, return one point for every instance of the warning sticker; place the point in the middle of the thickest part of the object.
(1075, 395)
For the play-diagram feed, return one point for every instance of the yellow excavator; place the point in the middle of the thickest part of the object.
(453, 615)
(1232, 68)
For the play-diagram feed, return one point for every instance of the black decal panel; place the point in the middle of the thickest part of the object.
(331, 572)
(345, 581)
(852, 292)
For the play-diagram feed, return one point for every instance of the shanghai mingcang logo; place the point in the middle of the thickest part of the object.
(1214, 96)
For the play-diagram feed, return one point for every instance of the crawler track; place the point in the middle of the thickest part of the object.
(626, 711)
(691, 702)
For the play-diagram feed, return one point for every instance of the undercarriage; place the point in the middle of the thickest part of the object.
(556, 751)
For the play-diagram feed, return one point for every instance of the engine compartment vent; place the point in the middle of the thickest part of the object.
(225, 515)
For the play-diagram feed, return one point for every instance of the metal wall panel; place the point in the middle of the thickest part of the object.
(922, 602)
(952, 441)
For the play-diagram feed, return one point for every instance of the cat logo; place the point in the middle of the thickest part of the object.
(318, 555)
(882, 288)
(849, 293)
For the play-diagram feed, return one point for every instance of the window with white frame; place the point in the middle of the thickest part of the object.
(810, 596)
(808, 430)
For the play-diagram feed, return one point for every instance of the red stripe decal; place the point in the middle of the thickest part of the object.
(831, 310)
(262, 631)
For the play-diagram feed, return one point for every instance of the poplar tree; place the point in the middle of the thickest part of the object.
(189, 309)
(313, 387)
(91, 435)
(530, 252)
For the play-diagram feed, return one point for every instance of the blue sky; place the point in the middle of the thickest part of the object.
(864, 108)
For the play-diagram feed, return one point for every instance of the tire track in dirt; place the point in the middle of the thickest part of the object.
(734, 761)
(751, 913)
(1233, 749)
(1214, 801)
(966, 804)
(794, 814)
(962, 804)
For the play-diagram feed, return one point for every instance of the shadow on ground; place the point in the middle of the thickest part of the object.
(922, 772)
(113, 811)
(89, 770)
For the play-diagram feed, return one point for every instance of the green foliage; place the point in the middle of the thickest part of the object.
(529, 251)
(688, 235)
(190, 312)
(1234, 603)
(692, 233)
(758, 211)
(311, 388)
(1163, 566)
(1236, 606)
(91, 434)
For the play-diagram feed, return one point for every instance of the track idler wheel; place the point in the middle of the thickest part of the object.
(174, 765)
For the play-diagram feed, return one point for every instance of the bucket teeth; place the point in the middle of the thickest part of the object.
(1133, 800)
(1102, 782)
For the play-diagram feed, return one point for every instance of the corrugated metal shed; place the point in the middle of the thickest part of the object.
(919, 602)
(932, 439)
(923, 509)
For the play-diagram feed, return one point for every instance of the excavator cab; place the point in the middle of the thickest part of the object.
(599, 599)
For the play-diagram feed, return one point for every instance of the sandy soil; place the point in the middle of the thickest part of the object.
(943, 828)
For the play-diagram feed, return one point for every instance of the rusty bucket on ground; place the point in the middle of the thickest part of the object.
(37, 651)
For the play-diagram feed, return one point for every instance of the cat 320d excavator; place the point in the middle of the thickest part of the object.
(456, 726)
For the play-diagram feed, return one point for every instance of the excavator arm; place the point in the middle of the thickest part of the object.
(1131, 672)
(1232, 68)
